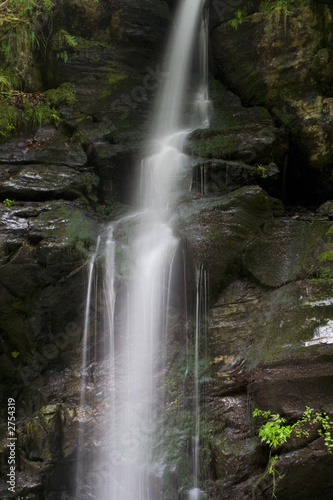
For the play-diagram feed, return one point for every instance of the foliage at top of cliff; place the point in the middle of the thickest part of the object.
(25, 30)
(22, 32)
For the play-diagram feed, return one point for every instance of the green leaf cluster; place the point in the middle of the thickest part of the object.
(240, 18)
(8, 203)
(276, 431)
(63, 40)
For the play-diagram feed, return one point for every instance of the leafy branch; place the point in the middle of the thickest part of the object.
(240, 18)
(275, 432)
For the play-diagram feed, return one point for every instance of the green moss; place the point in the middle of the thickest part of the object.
(114, 211)
(68, 227)
(78, 137)
(19, 109)
(22, 35)
(212, 144)
(37, 115)
(64, 95)
(9, 119)
(86, 43)
(80, 233)
(325, 273)
(115, 76)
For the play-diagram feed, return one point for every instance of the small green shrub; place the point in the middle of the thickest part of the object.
(22, 33)
(19, 109)
(326, 256)
(62, 37)
(25, 32)
(276, 432)
(240, 18)
(8, 203)
(325, 273)
(263, 168)
(64, 95)
(9, 119)
(61, 41)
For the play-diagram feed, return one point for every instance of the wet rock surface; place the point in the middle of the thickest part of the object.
(281, 60)
(270, 269)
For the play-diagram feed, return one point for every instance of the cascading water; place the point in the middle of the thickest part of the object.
(131, 414)
(201, 309)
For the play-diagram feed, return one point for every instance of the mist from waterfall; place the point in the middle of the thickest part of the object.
(136, 348)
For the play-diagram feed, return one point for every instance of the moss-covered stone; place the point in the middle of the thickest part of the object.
(285, 251)
(218, 230)
(279, 58)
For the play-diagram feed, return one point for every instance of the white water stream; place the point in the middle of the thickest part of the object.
(144, 310)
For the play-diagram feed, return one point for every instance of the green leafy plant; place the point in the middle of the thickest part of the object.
(325, 273)
(277, 9)
(240, 17)
(15, 354)
(63, 40)
(9, 119)
(25, 31)
(262, 170)
(275, 432)
(22, 33)
(21, 109)
(8, 203)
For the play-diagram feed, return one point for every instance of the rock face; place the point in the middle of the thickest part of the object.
(279, 57)
(271, 304)
(269, 324)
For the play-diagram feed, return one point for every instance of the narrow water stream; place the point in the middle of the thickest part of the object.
(132, 413)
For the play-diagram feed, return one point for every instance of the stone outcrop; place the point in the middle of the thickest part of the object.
(270, 268)
(269, 337)
(279, 57)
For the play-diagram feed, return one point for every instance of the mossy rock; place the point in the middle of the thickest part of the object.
(287, 250)
(218, 230)
(212, 144)
(67, 227)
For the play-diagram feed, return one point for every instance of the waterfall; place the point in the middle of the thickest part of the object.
(126, 453)
(201, 311)
(80, 472)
